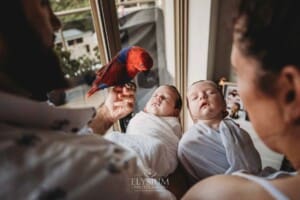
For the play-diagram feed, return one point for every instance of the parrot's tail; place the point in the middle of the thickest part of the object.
(92, 91)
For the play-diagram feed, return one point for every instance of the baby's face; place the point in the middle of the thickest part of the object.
(162, 102)
(205, 102)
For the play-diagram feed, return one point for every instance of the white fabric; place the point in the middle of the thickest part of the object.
(41, 159)
(271, 173)
(271, 189)
(204, 151)
(42, 115)
(155, 141)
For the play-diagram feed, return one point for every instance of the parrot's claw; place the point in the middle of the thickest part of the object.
(131, 85)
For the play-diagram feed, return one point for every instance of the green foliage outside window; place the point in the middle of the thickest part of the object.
(61, 5)
(75, 67)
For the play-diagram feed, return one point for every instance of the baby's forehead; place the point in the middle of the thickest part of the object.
(201, 86)
(165, 89)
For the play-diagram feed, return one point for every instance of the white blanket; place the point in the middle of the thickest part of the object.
(204, 151)
(154, 139)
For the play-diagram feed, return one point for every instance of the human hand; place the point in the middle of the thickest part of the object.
(120, 101)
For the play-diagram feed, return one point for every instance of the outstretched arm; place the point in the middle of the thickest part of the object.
(118, 104)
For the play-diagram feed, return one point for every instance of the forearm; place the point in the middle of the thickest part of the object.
(102, 121)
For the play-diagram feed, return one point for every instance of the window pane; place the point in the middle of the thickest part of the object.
(77, 47)
(141, 23)
(62, 5)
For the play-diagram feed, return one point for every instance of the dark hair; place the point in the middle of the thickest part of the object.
(270, 33)
(27, 61)
(178, 102)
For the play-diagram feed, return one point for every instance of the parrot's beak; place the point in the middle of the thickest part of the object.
(143, 68)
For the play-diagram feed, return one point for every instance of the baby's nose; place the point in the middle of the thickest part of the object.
(159, 98)
(203, 96)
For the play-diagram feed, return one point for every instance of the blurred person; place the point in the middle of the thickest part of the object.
(265, 57)
(48, 152)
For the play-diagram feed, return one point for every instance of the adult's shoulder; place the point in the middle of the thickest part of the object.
(226, 187)
(289, 185)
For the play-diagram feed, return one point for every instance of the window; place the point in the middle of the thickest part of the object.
(76, 45)
(87, 47)
(107, 26)
(77, 32)
(71, 42)
(79, 40)
(141, 23)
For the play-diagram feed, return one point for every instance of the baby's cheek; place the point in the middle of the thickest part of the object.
(145, 109)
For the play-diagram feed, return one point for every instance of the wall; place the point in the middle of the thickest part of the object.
(199, 26)
(209, 44)
(168, 8)
(198, 44)
(222, 64)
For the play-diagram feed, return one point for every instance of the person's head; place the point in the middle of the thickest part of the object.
(28, 64)
(165, 101)
(265, 57)
(205, 101)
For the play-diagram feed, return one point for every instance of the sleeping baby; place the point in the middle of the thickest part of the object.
(153, 134)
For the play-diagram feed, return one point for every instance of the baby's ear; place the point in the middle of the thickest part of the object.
(289, 93)
(176, 112)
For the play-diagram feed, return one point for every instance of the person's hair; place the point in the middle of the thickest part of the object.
(269, 33)
(178, 102)
(26, 61)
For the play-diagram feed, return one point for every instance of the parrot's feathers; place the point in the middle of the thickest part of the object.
(122, 68)
(92, 90)
(122, 56)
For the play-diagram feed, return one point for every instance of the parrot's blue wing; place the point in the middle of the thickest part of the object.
(122, 57)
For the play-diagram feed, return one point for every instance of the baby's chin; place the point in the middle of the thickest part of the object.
(151, 111)
(148, 111)
(209, 116)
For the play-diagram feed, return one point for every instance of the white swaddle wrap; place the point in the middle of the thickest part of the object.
(155, 141)
(204, 151)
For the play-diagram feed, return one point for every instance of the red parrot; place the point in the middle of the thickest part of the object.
(122, 68)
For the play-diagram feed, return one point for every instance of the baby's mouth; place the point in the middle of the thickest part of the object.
(203, 105)
(155, 104)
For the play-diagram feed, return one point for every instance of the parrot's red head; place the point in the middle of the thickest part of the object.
(130, 60)
(138, 59)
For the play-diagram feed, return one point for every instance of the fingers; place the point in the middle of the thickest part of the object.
(131, 86)
(121, 109)
(122, 97)
(124, 103)
(126, 93)
(128, 87)
(127, 97)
